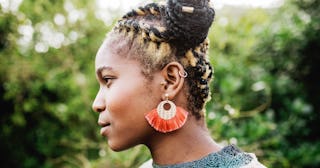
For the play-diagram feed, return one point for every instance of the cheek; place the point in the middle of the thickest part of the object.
(127, 109)
(129, 103)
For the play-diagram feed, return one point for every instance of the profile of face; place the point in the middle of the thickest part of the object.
(144, 50)
(124, 97)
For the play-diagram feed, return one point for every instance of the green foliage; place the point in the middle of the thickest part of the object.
(265, 92)
(266, 87)
(45, 90)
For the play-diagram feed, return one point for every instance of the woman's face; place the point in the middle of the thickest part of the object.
(125, 95)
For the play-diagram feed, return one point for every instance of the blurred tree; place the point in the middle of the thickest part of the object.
(289, 50)
(45, 91)
(266, 84)
(265, 92)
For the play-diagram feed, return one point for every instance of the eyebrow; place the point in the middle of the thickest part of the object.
(100, 69)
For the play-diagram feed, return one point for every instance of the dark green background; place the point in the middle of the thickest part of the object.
(265, 94)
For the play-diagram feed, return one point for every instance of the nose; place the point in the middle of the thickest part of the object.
(99, 102)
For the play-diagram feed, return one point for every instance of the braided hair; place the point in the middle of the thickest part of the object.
(175, 31)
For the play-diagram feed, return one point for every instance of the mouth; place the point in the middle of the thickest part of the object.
(104, 124)
(105, 127)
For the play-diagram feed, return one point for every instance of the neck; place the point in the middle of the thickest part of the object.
(189, 143)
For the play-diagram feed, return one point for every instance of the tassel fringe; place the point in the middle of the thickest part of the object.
(169, 125)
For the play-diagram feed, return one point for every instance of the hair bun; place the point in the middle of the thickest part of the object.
(188, 21)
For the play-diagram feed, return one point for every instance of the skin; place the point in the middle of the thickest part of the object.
(126, 95)
(121, 100)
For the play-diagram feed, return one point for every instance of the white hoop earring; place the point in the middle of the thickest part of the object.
(164, 113)
(167, 119)
(183, 74)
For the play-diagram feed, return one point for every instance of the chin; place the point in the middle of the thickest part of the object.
(119, 147)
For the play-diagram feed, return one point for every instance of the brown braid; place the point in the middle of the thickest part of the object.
(164, 33)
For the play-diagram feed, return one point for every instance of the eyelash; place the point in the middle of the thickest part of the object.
(107, 80)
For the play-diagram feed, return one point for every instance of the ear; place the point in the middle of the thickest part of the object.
(174, 80)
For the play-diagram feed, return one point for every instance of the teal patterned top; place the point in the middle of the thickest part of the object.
(229, 157)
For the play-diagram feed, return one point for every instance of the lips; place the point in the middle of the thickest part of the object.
(103, 124)
(105, 127)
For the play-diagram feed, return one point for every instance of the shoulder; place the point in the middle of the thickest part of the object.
(237, 158)
(229, 156)
(254, 162)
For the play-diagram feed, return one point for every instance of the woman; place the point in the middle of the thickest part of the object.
(154, 78)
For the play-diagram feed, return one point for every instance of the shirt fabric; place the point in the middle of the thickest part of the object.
(228, 157)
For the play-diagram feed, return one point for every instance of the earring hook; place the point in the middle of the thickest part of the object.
(167, 96)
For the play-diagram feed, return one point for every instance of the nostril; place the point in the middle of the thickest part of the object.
(98, 104)
(100, 110)
(98, 107)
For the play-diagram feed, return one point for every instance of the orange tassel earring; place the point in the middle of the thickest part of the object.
(168, 119)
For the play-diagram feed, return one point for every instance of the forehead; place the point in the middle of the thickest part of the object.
(111, 54)
(110, 49)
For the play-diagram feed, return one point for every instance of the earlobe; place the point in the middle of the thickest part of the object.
(174, 75)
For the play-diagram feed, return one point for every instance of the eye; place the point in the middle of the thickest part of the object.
(107, 80)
